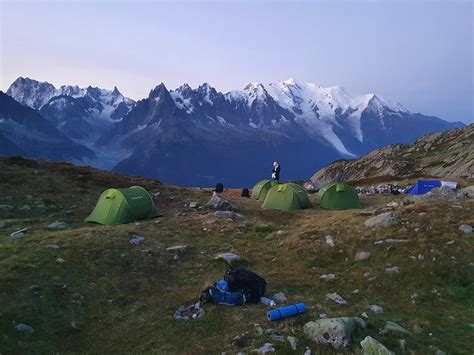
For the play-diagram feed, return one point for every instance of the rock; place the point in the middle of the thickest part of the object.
(417, 329)
(367, 212)
(53, 246)
(307, 352)
(371, 346)
(310, 187)
(365, 315)
(136, 240)
(392, 327)
(467, 192)
(19, 233)
(194, 204)
(58, 225)
(465, 228)
(194, 311)
(381, 220)
(6, 207)
(229, 258)
(177, 249)
(440, 352)
(293, 342)
(281, 232)
(2, 225)
(279, 297)
(395, 269)
(330, 241)
(74, 325)
(60, 260)
(362, 255)
(403, 345)
(328, 276)
(242, 340)
(218, 202)
(35, 288)
(442, 193)
(266, 348)
(392, 204)
(333, 331)
(24, 328)
(376, 308)
(25, 208)
(336, 298)
(224, 214)
(176, 257)
(276, 337)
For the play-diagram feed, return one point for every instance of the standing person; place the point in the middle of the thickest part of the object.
(276, 171)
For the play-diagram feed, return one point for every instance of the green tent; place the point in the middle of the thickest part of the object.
(260, 190)
(338, 197)
(286, 197)
(118, 206)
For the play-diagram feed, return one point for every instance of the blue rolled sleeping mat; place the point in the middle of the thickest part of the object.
(287, 311)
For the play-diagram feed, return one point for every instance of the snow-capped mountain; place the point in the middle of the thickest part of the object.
(80, 113)
(196, 136)
(23, 131)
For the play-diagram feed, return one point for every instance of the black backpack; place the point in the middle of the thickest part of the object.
(245, 193)
(219, 187)
(242, 279)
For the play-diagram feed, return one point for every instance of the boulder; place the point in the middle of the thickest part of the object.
(229, 258)
(24, 328)
(310, 186)
(224, 214)
(58, 225)
(392, 204)
(371, 346)
(465, 228)
(218, 202)
(381, 220)
(392, 327)
(376, 308)
(467, 192)
(336, 332)
(336, 298)
(442, 193)
(362, 255)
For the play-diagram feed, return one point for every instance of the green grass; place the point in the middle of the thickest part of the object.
(146, 286)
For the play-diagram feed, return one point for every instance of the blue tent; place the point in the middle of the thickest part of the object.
(421, 187)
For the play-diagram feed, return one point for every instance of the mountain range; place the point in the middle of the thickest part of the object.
(197, 137)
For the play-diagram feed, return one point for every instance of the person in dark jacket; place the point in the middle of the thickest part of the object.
(276, 171)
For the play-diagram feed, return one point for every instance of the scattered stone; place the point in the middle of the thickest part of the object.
(333, 331)
(24, 328)
(362, 255)
(60, 260)
(330, 241)
(2, 225)
(371, 346)
(74, 325)
(19, 233)
(440, 352)
(58, 225)
(218, 202)
(136, 240)
(35, 288)
(392, 327)
(395, 269)
(276, 337)
(417, 329)
(467, 192)
(465, 228)
(392, 204)
(450, 242)
(25, 208)
(336, 298)
(390, 240)
(279, 297)
(376, 308)
(403, 345)
(194, 204)
(224, 214)
(369, 212)
(328, 276)
(378, 242)
(229, 258)
(177, 249)
(266, 348)
(281, 232)
(365, 315)
(6, 207)
(176, 257)
(242, 340)
(53, 246)
(194, 311)
(382, 220)
(355, 291)
(442, 193)
(293, 342)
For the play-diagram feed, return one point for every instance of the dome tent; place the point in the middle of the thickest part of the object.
(119, 206)
(286, 197)
(260, 190)
(422, 187)
(337, 196)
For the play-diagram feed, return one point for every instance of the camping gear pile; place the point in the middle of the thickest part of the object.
(239, 287)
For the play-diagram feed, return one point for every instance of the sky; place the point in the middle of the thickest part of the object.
(418, 53)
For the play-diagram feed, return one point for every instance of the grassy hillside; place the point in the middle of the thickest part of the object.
(122, 298)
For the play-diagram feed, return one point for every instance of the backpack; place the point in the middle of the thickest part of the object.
(219, 187)
(245, 193)
(216, 295)
(248, 281)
